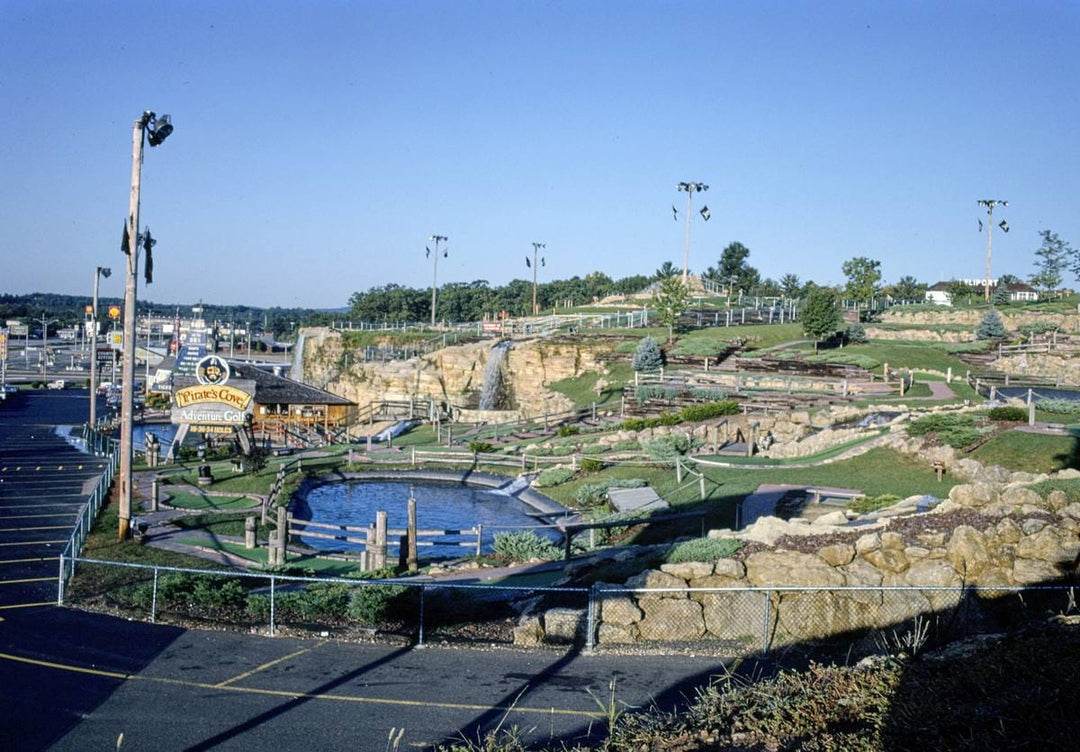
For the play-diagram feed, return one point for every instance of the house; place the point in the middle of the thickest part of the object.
(938, 293)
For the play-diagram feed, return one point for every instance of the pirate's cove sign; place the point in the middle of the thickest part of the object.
(211, 398)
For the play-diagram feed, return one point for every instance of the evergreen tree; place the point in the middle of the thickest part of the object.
(1052, 260)
(990, 327)
(647, 357)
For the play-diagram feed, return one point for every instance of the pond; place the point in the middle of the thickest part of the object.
(439, 506)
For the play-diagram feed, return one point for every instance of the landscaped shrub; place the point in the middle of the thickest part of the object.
(667, 448)
(647, 356)
(592, 466)
(592, 494)
(708, 393)
(565, 431)
(633, 424)
(538, 451)
(372, 604)
(562, 451)
(184, 589)
(694, 413)
(1008, 414)
(702, 347)
(653, 421)
(594, 449)
(670, 419)
(1059, 406)
(645, 392)
(629, 445)
(481, 447)
(553, 476)
(702, 549)
(525, 545)
(856, 334)
(951, 429)
(865, 504)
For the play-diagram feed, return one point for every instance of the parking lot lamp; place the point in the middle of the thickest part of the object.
(99, 271)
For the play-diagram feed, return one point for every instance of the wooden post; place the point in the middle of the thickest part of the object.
(948, 375)
(282, 533)
(249, 532)
(411, 560)
(272, 549)
(678, 470)
(379, 550)
(154, 491)
(413, 452)
(701, 485)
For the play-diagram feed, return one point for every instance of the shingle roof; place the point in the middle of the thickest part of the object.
(278, 390)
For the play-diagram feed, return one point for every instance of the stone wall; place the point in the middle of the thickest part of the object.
(1013, 318)
(1062, 368)
(919, 335)
(455, 374)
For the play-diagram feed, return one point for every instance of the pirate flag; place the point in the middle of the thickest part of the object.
(148, 246)
(543, 262)
(980, 225)
(125, 242)
(706, 213)
(1004, 225)
(427, 252)
(445, 254)
(527, 262)
(674, 213)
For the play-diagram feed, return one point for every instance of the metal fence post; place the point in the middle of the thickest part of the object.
(153, 600)
(590, 619)
(60, 584)
(272, 581)
(765, 623)
(420, 636)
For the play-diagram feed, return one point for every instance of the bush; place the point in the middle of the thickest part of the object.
(1059, 406)
(647, 356)
(183, 589)
(565, 431)
(372, 604)
(525, 545)
(667, 448)
(694, 413)
(1008, 414)
(645, 392)
(481, 447)
(855, 334)
(553, 477)
(702, 549)
(708, 393)
(865, 504)
(701, 347)
(633, 424)
(593, 494)
(592, 466)
(630, 445)
(670, 419)
(595, 449)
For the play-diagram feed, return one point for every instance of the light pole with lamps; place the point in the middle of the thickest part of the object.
(106, 272)
(435, 273)
(990, 203)
(690, 189)
(536, 251)
(45, 344)
(154, 129)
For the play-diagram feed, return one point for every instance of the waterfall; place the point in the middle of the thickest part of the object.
(296, 373)
(489, 392)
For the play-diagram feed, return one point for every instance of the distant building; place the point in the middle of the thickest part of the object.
(1018, 291)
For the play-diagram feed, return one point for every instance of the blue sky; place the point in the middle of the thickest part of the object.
(318, 144)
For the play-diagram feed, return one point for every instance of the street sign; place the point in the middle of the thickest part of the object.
(116, 340)
(114, 312)
(3, 345)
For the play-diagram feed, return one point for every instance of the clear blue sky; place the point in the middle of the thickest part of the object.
(318, 144)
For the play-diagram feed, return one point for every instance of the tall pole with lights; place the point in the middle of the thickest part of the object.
(158, 129)
(690, 189)
(536, 252)
(92, 330)
(989, 204)
(435, 274)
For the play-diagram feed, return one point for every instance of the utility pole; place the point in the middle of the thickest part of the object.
(159, 129)
(990, 203)
(435, 274)
(536, 251)
(690, 189)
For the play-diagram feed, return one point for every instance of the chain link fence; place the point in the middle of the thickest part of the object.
(724, 621)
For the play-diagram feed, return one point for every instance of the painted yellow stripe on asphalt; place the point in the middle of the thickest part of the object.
(297, 695)
(264, 666)
(27, 605)
(30, 579)
(35, 543)
(27, 529)
(34, 516)
(39, 506)
(28, 561)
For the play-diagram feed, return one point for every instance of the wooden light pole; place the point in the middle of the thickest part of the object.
(989, 204)
(690, 189)
(435, 275)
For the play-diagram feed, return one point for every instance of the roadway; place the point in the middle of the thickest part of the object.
(75, 681)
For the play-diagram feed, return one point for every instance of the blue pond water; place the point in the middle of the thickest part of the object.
(439, 506)
(1041, 392)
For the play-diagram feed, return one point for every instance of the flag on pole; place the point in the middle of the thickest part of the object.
(445, 254)
(543, 262)
(125, 242)
(1004, 225)
(980, 225)
(148, 246)
(706, 213)
(427, 252)
(674, 213)
(527, 262)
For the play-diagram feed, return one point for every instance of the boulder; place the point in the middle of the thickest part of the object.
(838, 555)
(671, 620)
(1057, 499)
(992, 474)
(972, 494)
(867, 543)
(936, 573)
(1032, 525)
(887, 559)
(893, 541)
(791, 568)
(1008, 531)
(528, 633)
(616, 634)
(1050, 546)
(1069, 473)
(860, 573)
(967, 552)
(932, 540)
(734, 615)
(564, 625)
(730, 568)
(836, 518)
(619, 609)
(1018, 496)
(1033, 571)
(652, 579)
(688, 570)
(1071, 510)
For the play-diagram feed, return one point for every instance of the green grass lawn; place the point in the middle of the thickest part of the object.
(1030, 452)
(186, 500)
(582, 389)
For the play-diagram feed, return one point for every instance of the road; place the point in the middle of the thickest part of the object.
(76, 681)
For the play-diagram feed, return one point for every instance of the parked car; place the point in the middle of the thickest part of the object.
(58, 384)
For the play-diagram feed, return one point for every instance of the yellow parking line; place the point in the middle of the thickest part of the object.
(34, 543)
(305, 695)
(28, 561)
(264, 666)
(27, 605)
(25, 529)
(29, 579)
(34, 516)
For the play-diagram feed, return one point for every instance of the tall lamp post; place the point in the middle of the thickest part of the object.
(99, 272)
(989, 204)
(148, 127)
(690, 189)
(435, 273)
(536, 251)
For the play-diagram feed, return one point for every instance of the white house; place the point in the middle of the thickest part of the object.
(939, 292)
